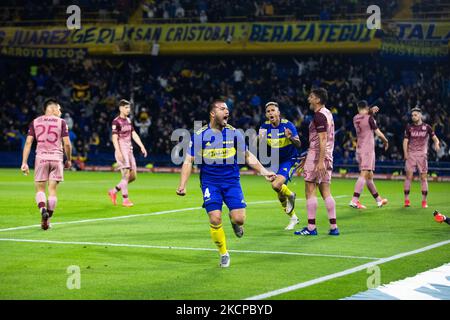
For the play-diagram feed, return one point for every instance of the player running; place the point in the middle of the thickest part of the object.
(415, 149)
(122, 133)
(51, 133)
(282, 135)
(319, 163)
(216, 148)
(365, 127)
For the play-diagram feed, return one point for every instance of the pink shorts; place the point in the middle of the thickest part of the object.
(312, 176)
(129, 162)
(45, 170)
(366, 160)
(417, 162)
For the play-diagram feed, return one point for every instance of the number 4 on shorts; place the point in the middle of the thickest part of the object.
(206, 195)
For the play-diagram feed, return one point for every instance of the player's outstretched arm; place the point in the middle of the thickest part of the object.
(137, 139)
(405, 148)
(383, 138)
(186, 170)
(68, 152)
(26, 153)
(254, 163)
(115, 140)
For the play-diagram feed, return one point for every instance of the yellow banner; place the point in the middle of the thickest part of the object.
(215, 38)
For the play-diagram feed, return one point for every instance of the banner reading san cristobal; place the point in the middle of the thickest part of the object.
(196, 38)
(211, 38)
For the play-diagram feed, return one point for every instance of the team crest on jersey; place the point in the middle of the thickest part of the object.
(424, 128)
(114, 127)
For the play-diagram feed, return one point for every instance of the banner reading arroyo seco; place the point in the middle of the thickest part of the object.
(220, 38)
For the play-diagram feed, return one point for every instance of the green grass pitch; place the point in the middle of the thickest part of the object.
(161, 256)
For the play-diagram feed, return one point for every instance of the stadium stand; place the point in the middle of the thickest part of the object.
(168, 93)
(27, 12)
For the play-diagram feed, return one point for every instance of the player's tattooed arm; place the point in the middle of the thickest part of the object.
(115, 140)
(186, 170)
(26, 153)
(137, 139)
(254, 163)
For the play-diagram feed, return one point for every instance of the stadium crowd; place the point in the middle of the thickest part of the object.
(221, 10)
(170, 93)
(191, 10)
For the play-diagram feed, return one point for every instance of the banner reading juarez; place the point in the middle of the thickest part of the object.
(197, 38)
(221, 38)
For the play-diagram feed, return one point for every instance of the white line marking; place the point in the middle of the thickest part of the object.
(346, 272)
(136, 215)
(182, 248)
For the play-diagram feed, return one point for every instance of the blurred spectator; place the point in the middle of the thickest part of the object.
(268, 8)
(203, 17)
(68, 120)
(143, 123)
(179, 12)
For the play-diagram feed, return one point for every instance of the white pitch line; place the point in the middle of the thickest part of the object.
(183, 248)
(346, 272)
(135, 215)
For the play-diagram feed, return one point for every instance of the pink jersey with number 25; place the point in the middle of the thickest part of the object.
(48, 132)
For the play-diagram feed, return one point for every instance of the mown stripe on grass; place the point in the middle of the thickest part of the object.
(107, 244)
(135, 215)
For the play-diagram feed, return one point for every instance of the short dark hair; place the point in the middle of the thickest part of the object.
(416, 109)
(48, 102)
(124, 102)
(213, 104)
(362, 104)
(321, 93)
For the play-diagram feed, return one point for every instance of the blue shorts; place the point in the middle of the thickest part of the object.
(287, 168)
(215, 193)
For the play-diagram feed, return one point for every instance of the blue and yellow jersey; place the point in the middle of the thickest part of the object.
(277, 139)
(216, 153)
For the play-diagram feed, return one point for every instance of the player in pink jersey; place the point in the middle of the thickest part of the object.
(365, 127)
(415, 149)
(319, 163)
(51, 133)
(122, 133)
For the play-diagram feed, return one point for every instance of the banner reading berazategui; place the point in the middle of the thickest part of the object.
(196, 38)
